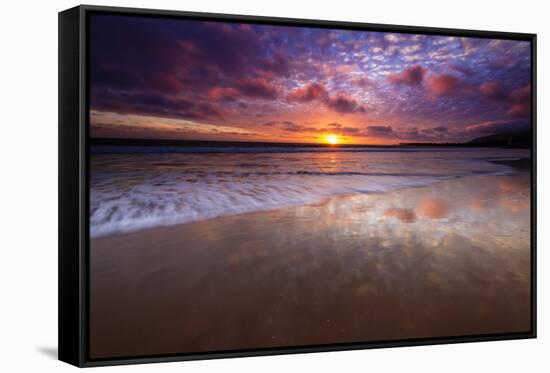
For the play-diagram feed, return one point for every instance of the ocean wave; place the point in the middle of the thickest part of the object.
(133, 192)
(169, 202)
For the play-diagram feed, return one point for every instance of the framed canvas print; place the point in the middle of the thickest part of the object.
(237, 186)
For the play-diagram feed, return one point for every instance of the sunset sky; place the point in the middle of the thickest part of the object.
(176, 79)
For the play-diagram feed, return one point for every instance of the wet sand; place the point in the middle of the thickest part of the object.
(445, 260)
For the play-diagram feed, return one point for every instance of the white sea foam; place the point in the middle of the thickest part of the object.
(135, 191)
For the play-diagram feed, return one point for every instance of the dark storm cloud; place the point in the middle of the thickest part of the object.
(258, 88)
(141, 56)
(154, 104)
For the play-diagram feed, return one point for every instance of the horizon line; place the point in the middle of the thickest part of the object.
(244, 142)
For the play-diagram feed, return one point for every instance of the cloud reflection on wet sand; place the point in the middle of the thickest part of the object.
(434, 208)
(405, 215)
(407, 264)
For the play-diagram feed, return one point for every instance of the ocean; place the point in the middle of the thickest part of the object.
(134, 188)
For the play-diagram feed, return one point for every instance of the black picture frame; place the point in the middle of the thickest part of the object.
(74, 191)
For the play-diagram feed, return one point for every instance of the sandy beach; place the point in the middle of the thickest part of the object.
(448, 259)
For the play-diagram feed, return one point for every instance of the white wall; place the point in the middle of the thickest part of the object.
(28, 198)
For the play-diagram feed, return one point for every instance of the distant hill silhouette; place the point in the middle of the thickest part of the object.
(501, 140)
(516, 139)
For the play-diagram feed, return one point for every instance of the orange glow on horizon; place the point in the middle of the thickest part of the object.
(332, 139)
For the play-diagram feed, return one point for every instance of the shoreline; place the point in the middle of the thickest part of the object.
(521, 164)
(446, 259)
(518, 165)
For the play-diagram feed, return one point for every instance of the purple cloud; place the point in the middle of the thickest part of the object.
(257, 88)
(345, 104)
(411, 76)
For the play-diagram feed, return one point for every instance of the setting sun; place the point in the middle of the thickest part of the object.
(332, 139)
